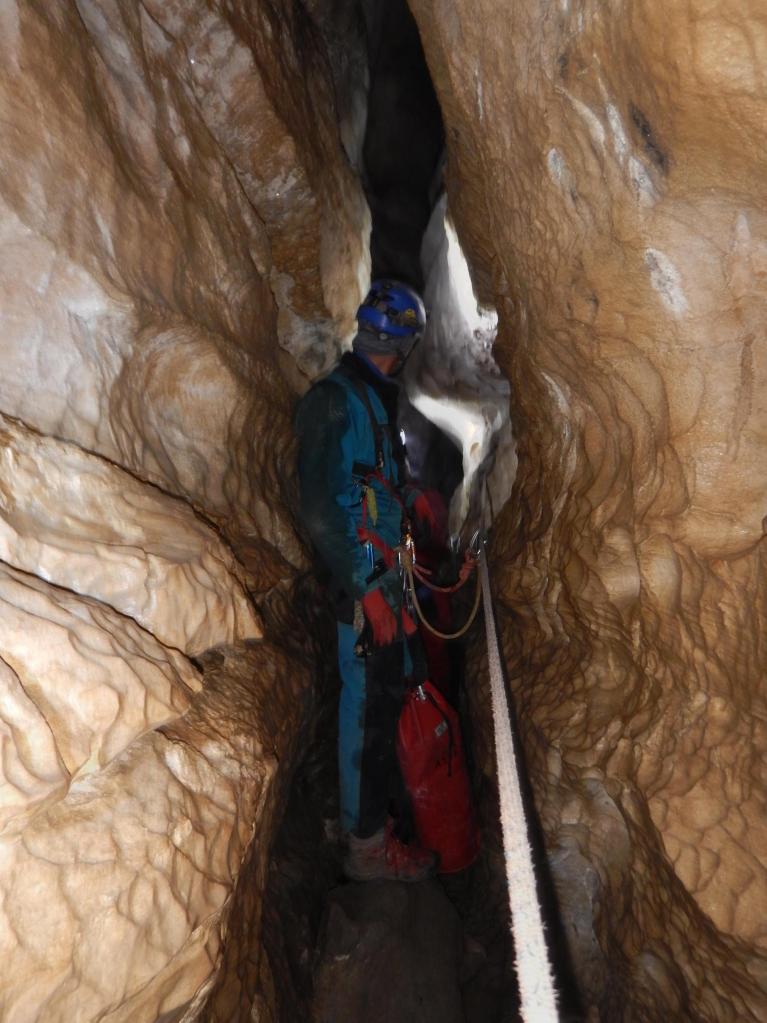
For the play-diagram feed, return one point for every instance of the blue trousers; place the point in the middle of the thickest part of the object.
(372, 690)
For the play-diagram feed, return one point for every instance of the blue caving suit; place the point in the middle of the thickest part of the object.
(337, 451)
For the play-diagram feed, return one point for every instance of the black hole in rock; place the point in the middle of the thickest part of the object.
(404, 140)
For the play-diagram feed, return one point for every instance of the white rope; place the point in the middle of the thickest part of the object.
(536, 985)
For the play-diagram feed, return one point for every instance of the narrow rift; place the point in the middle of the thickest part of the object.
(445, 944)
(403, 143)
(194, 196)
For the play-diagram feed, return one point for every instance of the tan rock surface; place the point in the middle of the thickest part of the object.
(97, 530)
(606, 177)
(173, 201)
(180, 232)
(116, 897)
(87, 680)
(168, 201)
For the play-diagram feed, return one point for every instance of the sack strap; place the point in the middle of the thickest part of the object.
(362, 392)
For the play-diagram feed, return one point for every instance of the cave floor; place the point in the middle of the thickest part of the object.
(363, 953)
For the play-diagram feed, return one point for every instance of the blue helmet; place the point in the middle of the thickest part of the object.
(393, 309)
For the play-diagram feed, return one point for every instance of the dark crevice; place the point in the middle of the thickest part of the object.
(404, 140)
(314, 920)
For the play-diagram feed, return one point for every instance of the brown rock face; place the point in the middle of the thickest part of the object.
(155, 172)
(180, 233)
(606, 178)
(184, 243)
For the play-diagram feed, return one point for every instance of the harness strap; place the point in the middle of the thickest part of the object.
(388, 485)
(368, 536)
(378, 430)
(378, 433)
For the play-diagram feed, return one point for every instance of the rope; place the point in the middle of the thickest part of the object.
(423, 578)
(536, 985)
(408, 563)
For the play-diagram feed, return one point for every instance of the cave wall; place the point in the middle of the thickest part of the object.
(606, 177)
(183, 245)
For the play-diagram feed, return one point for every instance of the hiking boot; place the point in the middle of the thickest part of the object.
(382, 857)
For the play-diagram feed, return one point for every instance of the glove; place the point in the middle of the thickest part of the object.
(382, 619)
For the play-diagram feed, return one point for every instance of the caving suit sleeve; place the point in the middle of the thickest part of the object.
(330, 442)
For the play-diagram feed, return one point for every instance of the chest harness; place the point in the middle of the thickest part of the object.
(404, 555)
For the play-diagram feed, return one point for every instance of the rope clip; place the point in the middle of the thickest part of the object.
(477, 543)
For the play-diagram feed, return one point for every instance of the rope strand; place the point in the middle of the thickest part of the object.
(419, 610)
(536, 985)
(423, 578)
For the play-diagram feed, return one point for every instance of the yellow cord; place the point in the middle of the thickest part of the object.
(435, 632)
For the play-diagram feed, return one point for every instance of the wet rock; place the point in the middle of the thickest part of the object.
(111, 537)
(390, 951)
(606, 185)
(181, 233)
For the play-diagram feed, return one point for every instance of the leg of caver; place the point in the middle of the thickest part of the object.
(380, 777)
(351, 727)
(371, 702)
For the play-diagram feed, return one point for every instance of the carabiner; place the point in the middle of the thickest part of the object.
(476, 543)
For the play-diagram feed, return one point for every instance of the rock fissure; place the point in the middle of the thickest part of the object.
(193, 197)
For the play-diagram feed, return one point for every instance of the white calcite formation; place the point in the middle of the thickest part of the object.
(453, 379)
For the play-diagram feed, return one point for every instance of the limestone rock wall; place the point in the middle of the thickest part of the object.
(182, 244)
(110, 536)
(606, 177)
(167, 207)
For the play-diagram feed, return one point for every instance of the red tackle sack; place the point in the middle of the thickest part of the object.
(433, 765)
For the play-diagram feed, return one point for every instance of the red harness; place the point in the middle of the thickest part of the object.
(366, 535)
